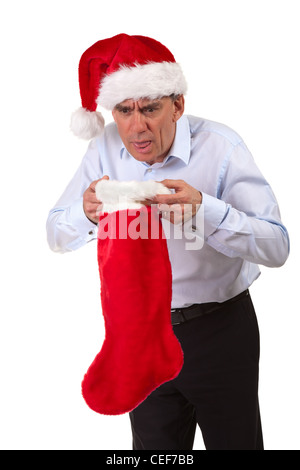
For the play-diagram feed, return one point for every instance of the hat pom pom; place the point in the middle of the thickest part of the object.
(87, 124)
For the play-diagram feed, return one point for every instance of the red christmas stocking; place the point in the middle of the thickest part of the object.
(140, 351)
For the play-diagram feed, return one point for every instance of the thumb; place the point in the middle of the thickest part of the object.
(93, 184)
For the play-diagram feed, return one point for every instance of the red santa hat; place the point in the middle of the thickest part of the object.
(119, 68)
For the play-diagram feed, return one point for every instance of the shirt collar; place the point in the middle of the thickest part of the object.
(181, 146)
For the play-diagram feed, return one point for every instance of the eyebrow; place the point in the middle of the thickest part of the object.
(152, 104)
(120, 107)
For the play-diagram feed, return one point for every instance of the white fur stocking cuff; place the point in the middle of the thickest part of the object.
(120, 195)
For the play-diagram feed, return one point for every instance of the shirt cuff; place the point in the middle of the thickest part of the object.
(85, 227)
(209, 216)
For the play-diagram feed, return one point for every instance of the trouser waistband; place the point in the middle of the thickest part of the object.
(182, 315)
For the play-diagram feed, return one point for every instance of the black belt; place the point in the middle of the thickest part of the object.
(181, 315)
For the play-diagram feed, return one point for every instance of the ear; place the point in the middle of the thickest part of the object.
(178, 107)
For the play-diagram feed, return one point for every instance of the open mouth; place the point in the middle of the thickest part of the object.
(142, 147)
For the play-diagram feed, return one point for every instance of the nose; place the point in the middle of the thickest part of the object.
(138, 122)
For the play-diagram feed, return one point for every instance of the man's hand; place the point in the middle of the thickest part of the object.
(91, 205)
(182, 205)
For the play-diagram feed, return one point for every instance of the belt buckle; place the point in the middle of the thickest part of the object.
(180, 312)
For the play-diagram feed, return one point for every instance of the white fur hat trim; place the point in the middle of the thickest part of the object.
(152, 80)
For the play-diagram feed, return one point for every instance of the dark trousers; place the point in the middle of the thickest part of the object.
(216, 389)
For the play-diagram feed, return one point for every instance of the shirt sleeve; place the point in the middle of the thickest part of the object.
(67, 226)
(243, 220)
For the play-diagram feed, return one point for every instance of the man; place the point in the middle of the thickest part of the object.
(233, 210)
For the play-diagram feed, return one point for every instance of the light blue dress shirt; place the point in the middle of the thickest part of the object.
(238, 226)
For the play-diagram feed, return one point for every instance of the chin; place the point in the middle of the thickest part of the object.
(144, 158)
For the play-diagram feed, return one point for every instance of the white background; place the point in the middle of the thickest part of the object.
(241, 60)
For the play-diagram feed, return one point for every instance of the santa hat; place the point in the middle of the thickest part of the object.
(119, 68)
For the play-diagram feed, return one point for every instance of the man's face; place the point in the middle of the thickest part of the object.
(147, 127)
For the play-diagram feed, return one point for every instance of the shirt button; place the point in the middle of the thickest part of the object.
(91, 232)
(149, 170)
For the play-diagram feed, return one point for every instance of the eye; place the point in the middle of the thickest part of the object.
(123, 110)
(150, 110)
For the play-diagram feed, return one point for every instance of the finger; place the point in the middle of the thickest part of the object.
(93, 185)
(147, 202)
(99, 209)
(173, 184)
(173, 214)
(167, 199)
